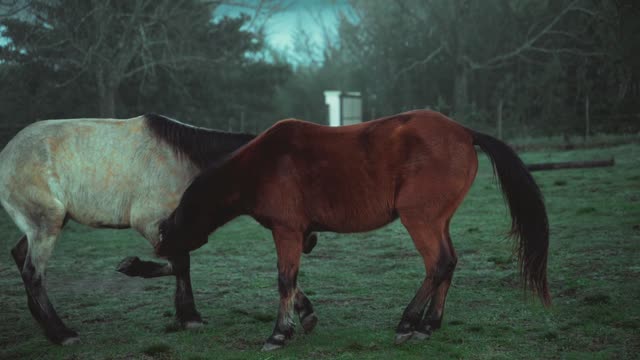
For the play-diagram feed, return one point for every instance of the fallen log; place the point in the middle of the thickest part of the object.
(571, 165)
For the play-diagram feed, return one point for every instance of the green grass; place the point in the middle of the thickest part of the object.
(360, 283)
(556, 141)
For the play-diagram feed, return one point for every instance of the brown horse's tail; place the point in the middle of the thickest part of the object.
(529, 223)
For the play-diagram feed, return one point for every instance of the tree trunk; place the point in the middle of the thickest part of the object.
(107, 104)
(106, 96)
(587, 124)
(500, 105)
(460, 92)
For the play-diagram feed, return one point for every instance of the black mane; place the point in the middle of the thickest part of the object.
(202, 146)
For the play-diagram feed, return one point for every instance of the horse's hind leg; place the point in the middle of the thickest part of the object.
(303, 307)
(433, 319)
(439, 260)
(19, 252)
(39, 245)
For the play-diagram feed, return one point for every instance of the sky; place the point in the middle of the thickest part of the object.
(310, 15)
(280, 29)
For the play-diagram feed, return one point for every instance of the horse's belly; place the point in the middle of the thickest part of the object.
(354, 227)
(117, 196)
(100, 209)
(355, 219)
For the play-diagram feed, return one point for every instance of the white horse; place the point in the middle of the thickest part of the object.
(104, 173)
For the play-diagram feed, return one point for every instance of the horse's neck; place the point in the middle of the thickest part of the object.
(217, 146)
(203, 147)
(228, 193)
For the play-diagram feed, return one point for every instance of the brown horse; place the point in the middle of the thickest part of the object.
(299, 177)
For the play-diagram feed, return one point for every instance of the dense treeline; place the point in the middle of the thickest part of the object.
(540, 63)
(111, 58)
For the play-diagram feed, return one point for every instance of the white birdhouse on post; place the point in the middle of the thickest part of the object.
(344, 107)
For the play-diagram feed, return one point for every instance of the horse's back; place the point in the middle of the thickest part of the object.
(336, 174)
(98, 169)
(57, 148)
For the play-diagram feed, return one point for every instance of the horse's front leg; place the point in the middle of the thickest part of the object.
(289, 248)
(179, 266)
(186, 312)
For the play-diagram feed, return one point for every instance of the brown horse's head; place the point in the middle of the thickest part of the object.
(207, 204)
(176, 238)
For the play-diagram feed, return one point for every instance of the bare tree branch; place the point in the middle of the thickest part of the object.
(9, 8)
(530, 43)
(424, 61)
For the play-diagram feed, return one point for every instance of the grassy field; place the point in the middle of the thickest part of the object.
(360, 283)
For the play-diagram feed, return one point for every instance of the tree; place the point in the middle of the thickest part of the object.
(540, 59)
(141, 56)
(109, 41)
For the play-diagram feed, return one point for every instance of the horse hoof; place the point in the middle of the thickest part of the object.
(309, 322)
(271, 346)
(402, 338)
(61, 335)
(419, 335)
(70, 341)
(193, 325)
(127, 265)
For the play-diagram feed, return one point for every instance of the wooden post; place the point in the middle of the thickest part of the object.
(500, 104)
(571, 165)
(586, 119)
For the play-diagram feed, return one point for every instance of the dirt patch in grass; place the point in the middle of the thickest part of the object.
(172, 327)
(550, 335)
(398, 255)
(345, 302)
(257, 316)
(96, 320)
(239, 342)
(157, 350)
(465, 252)
(503, 262)
(86, 305)
(597, 299)
(629, 324)
(153, 288)
(586, 210)
(475, 328)
(356, 347)
(137, 306)
(568, 292)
